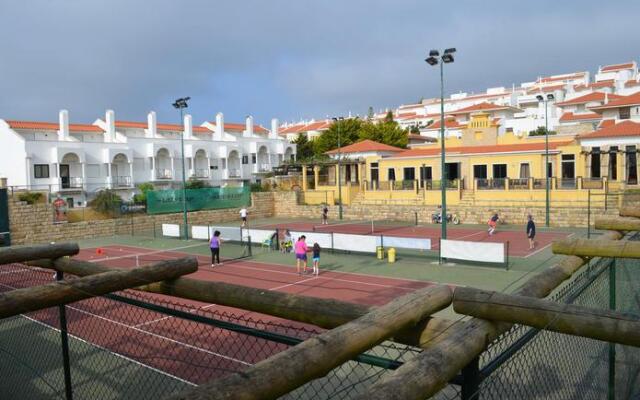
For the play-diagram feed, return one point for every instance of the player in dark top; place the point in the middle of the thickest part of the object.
(531, 231)
(325, 215)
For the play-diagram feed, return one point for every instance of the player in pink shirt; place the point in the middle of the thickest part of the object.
(301, 254)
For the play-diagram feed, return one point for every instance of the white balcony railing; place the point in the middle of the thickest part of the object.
(71, 182)
(234, 173)
(265, 167)
(121, 181)
(201, 173)
(164, 174)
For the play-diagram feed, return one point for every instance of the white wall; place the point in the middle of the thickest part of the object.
(13, 163)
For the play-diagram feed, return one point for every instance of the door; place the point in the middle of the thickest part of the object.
(632, 165)
(64, 176)
(425, 177)
(568, 172)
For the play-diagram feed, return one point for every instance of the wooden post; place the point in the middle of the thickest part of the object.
(21, 301)
(630, 212)
(618, 224)
(315, 357)
(304, 178)
(16, 254)
(599, 324)
(597, 248)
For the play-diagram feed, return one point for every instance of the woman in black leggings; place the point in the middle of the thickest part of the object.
(215, 244)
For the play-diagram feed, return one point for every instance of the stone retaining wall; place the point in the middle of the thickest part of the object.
(34, 223)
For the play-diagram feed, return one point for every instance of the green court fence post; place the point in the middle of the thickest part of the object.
(154, 228)
(65, 346)
(440, 250)
(612, 346)
(250, 252)
(277, 239)
(506, 255)
(588, 213)
(333, 250)
(416, 215)
(471, 380)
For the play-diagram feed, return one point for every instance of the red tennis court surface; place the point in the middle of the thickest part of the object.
(356, 288)
(518, 242)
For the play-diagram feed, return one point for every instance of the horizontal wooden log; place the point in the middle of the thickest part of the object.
(597, 248)
(315, 357)
(16, 254)
(20, 301)
(446, 355)
(605, 325)
(625, 224)
(325, 313)
(629, 211)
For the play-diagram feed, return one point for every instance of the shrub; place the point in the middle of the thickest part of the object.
(194, 183)
(30, 197)
(541, 131)
(107, 202)
(142, 196)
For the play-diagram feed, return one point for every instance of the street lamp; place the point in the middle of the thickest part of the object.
(336, 119)
(546, 101)
(433, 59)
(181, 104)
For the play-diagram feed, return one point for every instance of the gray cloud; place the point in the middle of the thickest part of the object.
(286, 59)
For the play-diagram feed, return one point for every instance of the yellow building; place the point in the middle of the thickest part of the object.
(482, 167)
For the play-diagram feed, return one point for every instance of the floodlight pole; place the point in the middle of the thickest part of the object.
(181, 104)
(546, 167)
(443, 173)
(339, 170)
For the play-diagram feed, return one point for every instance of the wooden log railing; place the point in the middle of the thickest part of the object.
(609, 326)
(597, 248)
(629, 211)
(625, 224)
(315, 357)
(446, 355)
(24, 300)
(17, 254)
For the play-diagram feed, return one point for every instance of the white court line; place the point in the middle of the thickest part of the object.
(542, 248)
(152, 321)
(292, 284)
(149, 333)
(469, 235)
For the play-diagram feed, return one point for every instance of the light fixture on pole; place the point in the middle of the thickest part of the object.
(181, 104)
(335, 120)
(435, 59)
(546, 101)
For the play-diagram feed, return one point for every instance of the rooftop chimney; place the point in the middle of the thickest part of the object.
(274, 129)
(152, 125)
(63, 132)
(248, 131)
(218, 133)
(188, 126)
(110, 120)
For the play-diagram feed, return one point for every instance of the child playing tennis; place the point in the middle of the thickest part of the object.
(301, 254)
(215, 244)
(493, 222)
(316, 259)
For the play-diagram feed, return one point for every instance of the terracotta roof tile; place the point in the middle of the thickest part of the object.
(504, 148)
(624, 128)
(449, 123)
(631, 83)
(617, 67)
(621, 101)
(239, 128)
(595, 85)
(52, 126)
(564, 77)
(570, 117)
(365, 146)
(545, 89)
(588, 98)
(482, 107)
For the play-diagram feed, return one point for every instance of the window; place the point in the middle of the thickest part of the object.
(509, 130)
(595, 162)
(499, 171)
(245, 159)
(613, 163)
(409, 173)
(524, 171)
(632, 165)
(480, 172)
(41, 170)
(223, 163)
(392, 174)
(254, 158)
(625, 112)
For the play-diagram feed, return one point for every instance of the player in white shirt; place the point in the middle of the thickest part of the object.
(243, 215)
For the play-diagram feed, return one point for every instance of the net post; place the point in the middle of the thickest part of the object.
(278, 239)
(249, 250)
(333, 250)
(439, 250)
(612, 346)
(132, 229)
(154, 228)
(416, 216)
(506, 255)
(65, 346)
(209, 232)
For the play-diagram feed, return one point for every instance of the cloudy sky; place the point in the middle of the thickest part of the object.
(288, 59)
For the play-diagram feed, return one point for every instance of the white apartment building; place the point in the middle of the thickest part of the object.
(78, 160)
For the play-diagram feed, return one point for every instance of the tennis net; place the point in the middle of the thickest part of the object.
(367, 227)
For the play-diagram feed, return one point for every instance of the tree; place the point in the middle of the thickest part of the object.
(348, 130)
(106, 202)
(304, 148)
(194, 183)
(370, 113)
(388, 117)
(541, 131)
(144, 188)
(414, 129)
(387, 132)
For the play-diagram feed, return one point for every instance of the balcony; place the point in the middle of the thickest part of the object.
(233, 173)
(121, 181)
(164, 174)
(264, 167)
(71, 183)
(201, 174)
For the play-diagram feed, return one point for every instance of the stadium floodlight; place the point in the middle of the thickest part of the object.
(447, 58)
(450, 50)
(431, 61)
(550, 97)
(540, 98)
(434, 53)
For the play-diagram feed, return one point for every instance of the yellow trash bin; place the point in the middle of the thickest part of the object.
(380, 252)
(391, 254)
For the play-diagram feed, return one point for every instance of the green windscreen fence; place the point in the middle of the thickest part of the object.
(170, 201)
